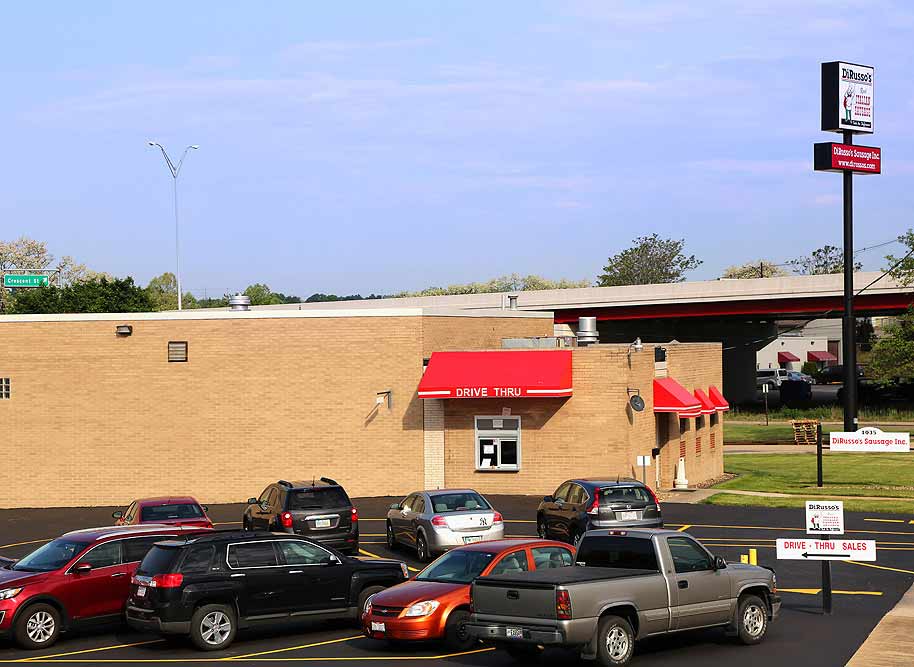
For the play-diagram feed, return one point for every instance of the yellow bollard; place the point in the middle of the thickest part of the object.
(753, 557)
(743, 558)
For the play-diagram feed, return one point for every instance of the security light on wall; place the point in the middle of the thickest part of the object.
(385, 396)
(637, 346)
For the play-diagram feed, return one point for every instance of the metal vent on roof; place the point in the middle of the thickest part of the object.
(177, 350)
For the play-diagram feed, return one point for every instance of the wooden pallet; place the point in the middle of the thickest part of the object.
(805, 431)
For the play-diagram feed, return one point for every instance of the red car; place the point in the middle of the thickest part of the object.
(171, 510)
(436, 603)
(82, 577)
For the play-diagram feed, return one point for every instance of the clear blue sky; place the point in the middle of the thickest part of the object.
(380, 146)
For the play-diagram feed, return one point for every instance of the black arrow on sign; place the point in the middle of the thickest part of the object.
(807, 555)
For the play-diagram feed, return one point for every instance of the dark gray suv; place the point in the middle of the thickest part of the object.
(580, 505)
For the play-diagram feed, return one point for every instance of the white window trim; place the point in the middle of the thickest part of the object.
(497, 435)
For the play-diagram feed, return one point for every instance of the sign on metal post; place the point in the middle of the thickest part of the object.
(847, 97)
(830, 156)
(811, 549)
(21, 280)
(824, 517)
(644, 462)
(869, 439)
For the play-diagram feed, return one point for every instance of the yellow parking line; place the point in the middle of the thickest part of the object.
(293, 648)
(886, 520)
(816, 591)
(226, 523)
(398, 658)
(89, 650)
(371, 555)
(19, 544)
(878, 567)
(684, 528)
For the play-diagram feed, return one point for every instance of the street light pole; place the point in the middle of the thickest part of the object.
(175, 171)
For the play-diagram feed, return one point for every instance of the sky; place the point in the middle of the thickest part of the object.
(376, 147)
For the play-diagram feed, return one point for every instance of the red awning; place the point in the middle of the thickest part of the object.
(820, 356)
(497, 374)
(717, 398)
(707, 406)
(785, 357)
(670, 396)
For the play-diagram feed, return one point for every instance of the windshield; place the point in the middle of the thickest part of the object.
(153, 513)
(317, 499)
(457, 567)
(458, 502)
(52, 556)
(624, 494)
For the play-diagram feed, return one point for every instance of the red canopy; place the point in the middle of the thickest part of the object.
(785, 357)
(497, 374)
(707, 406)
(717, 398)
(670, 396)
(820, 356)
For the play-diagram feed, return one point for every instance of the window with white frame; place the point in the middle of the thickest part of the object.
(498, 443)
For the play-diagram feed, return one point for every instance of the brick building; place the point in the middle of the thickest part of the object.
(99, 409)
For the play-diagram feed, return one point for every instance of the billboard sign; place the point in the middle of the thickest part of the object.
(869, 439)
(847, 97)
(829, 156)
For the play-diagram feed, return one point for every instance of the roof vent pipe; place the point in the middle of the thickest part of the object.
(587, 331)
(240, 302)
(512, 302)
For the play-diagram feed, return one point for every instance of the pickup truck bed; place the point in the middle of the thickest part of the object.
(563, 575)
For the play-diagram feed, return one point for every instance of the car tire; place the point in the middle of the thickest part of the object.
(541, 529)
(213, 627)
(391, 537)
(615, 641)
(37, 627)
(751, 619)
(364, 595)
(526, 654)
(456, 636)
(422, 550)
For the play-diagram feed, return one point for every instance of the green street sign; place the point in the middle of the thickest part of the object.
(25, 280)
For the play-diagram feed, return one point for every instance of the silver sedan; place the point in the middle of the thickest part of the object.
(434, 521)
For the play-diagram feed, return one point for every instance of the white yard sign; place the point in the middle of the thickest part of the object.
(869, 439)
(824, 517)
(810, 549)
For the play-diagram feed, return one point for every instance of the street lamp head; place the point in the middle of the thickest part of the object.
(195, 146)
(151, 143)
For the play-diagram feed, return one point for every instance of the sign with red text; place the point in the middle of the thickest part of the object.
(811, 549)
(847, 97)
(829, 156)
(869, 439)
(824, 517)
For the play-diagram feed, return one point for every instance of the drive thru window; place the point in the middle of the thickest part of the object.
(498, 443)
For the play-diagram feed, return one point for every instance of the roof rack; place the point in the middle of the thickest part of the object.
(284, 483)
(327, 480)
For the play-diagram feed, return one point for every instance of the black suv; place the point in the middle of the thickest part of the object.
(580, 505)
(211, 586)
(319, 509)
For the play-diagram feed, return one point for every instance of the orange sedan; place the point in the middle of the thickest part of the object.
(436, 603)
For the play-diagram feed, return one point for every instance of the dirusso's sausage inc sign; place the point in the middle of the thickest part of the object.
(847, 97)
(829, 156)
(869, 440)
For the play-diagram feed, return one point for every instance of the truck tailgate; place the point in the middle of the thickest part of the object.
(507, 598)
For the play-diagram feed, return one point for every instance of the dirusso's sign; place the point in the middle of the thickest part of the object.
(848, 97)
(829, 156)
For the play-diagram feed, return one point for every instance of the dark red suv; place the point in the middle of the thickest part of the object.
(82, 577)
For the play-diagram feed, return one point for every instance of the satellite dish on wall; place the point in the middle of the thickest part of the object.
(636, 402)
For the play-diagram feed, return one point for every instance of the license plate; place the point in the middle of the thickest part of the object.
(322, 523)
(141, 591)
(473, 539)
(378, 627)
(514, 633)
(627, 516)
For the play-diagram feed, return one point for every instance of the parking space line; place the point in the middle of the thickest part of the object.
(684, 528)
(226, 523)
(19, 544)
(375, 658)
(293, 648)
(89, 650)
(371, 555)
(887, 520)
(878, 567)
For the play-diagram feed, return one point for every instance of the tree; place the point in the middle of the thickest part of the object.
(758, 269)
(513, 282)
(892, 359)
(650, 260)
(261, 295)
(822, 261)
(163, 293)
(904, 272)
(97, 295)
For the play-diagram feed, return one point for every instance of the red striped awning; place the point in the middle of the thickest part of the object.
(707, 406)
(717, 398)
(498, 374)
(820, 356)
(670, 396)
(786, 357)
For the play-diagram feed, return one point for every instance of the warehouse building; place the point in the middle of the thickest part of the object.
(99, 409)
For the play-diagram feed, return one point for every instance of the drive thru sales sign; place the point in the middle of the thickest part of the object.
(811, 549)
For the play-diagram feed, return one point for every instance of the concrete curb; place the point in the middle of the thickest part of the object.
(889, 644)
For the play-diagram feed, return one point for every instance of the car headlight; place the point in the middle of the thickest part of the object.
(404, 569)
(8, 593)
(422, 609)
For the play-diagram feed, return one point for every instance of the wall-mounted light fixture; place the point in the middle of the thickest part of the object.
(383, 397)
(123, 330)
(637, 346)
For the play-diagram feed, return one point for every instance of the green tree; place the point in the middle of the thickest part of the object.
(892, 356)
(758, 269)
(97, 295)
(261, 295)
(163, 293)
(513, 282)
(26, 253)
(904, 272)
(822, 261)
(650, 260)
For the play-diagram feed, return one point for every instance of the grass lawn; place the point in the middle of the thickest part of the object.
(780, 432)
(886, 506)
(890, 475)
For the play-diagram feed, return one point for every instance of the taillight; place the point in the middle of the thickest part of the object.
(439, 521)
(562, 605)
(654, 496)
(286, 519)
(595, 507)
(355, 515)
(498, 518)
(166, 581)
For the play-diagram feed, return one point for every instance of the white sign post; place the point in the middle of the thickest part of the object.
(644, 462)
(824, 517)
(869, 439)
(811, 549)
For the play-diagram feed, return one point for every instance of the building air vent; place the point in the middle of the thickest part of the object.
(177, 351)
(587, 331)
(240, 302)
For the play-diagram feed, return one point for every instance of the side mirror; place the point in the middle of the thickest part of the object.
(395, 506)
(331, 560)
(83, 568)
(548, 499)
(252, 501)
(720, 563)
(117, 515)
(205, 508)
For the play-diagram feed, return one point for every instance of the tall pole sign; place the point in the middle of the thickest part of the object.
(847, 107)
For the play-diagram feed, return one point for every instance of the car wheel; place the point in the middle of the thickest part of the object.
(38, 627)
(751, 619)
(365, 594)
(213, 627)
(391, 538)
(524, 653)
(422, 548)
(615, 641)
(456, 635)
(541, 529)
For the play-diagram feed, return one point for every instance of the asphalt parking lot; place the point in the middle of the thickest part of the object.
(802, 635)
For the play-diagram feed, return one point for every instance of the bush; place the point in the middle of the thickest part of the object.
(810, 368)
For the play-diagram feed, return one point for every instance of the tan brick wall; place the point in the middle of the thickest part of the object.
(433, 442)
(442, 334)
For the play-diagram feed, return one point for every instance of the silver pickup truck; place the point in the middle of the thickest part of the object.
(628, 585)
